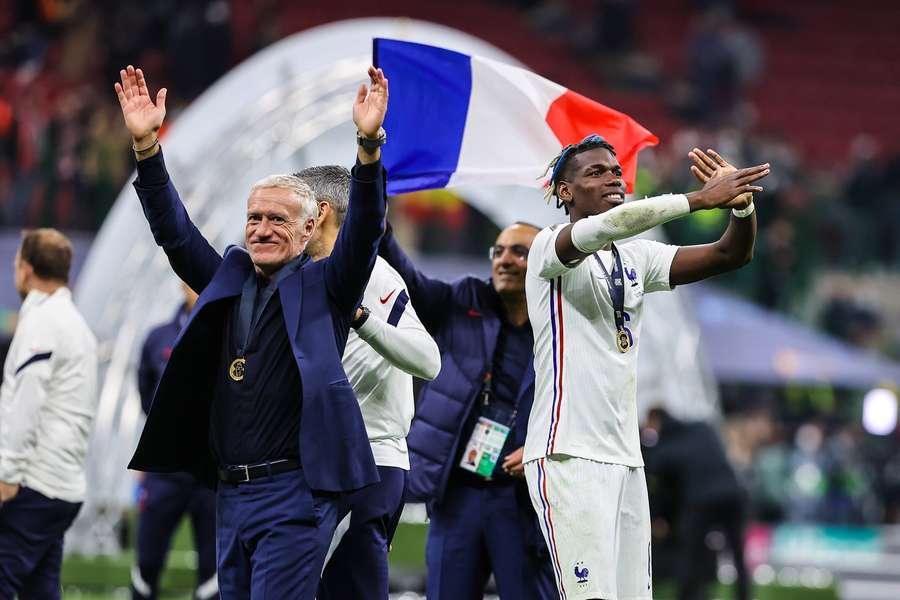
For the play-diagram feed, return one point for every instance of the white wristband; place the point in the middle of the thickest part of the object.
(744, 212)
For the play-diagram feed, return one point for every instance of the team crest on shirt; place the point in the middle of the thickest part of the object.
(581, 572)
(631, 274)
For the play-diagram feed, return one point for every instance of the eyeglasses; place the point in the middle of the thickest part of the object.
(519, 251)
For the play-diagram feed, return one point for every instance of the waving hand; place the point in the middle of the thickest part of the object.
(143, 117)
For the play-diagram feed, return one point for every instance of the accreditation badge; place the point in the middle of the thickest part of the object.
(483, 449)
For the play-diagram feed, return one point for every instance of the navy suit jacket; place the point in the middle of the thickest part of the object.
(464, 318)
(317, 302)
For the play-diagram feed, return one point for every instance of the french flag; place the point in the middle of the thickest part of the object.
(455, 119)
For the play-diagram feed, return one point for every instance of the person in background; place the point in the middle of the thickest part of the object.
(465, 443)
(166, 497)
(387, 346)
(47, 406)
(690, 457)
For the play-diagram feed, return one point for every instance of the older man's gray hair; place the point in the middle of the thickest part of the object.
(331, 184)
(308, 205)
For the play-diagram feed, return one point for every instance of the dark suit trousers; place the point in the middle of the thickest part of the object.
(272, 536)
(358, 569)
(32, 527)
(165, 498)
(477, 530)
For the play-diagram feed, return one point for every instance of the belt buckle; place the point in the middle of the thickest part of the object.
(246, 474)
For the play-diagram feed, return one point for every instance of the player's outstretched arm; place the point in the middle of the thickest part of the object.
(735, 248)
(584, 237)
(191, 256)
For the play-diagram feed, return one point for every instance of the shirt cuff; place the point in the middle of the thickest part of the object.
(369, 172)
(369, 329)
(152, 171)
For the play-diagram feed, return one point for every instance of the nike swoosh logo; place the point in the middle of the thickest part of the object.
(386, 298)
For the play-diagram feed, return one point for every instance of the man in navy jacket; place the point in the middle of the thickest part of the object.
(479, 525)
(254, 393)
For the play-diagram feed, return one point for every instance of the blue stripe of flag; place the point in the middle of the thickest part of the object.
(430, 90)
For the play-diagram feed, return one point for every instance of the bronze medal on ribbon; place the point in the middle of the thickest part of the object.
(622, 341)
(236, 369)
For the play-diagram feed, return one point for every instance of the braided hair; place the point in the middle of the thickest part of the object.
(557, 166)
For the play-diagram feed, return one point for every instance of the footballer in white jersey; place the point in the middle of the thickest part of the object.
(386, 346)
(585, 303)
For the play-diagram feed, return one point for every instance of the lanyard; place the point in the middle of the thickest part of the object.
(253, 303)
(616, 287)
(487, 392)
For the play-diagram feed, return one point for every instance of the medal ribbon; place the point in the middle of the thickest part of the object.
(251, 308)
(616, 287)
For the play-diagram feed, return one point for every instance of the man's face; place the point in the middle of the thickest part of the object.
(509, 259)
(21, 269)
(594, 183)
(275, 232)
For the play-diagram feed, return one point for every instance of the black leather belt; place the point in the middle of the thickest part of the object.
(245, 473)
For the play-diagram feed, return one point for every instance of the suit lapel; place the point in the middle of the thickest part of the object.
(229, 279)
(290, 290)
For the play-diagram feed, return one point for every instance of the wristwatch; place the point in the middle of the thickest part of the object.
(368, 143)
(358, 322)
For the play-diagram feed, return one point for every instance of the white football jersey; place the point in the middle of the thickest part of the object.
(385, 391)
(585, 389)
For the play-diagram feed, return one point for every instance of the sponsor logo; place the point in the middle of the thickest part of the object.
(386, 298)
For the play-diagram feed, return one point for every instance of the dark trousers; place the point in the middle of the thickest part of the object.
(358, 568)
(272, 535)
(32, 527)
(698, 520)
(483, 528)
(165, 499)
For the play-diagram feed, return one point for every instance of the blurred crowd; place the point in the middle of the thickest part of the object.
(814, 471)
(63, 157)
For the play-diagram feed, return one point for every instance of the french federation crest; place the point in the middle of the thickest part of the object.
(581, 572)
(631, 274)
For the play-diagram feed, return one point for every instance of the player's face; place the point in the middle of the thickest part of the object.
(509, 258)
(275, 232)
(596, 184)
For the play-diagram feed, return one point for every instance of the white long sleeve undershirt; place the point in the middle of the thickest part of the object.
(593, 233)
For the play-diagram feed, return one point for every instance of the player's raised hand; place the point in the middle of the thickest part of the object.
(710, 164)
(722, 191)
(143, 117)
(371, 104)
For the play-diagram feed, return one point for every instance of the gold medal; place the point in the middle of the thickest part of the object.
(236, 369)
(622, 341)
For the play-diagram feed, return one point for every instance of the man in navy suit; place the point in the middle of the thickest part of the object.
(254, 397)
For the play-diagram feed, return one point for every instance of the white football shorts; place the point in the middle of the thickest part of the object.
(596, 520)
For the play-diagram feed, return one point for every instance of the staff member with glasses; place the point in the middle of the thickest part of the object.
(465, 442)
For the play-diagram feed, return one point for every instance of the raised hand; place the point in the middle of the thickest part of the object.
(371, 103)
(722, 190)
(710, 164)
(143, 117)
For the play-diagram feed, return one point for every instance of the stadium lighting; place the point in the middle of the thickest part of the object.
(880, 411)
